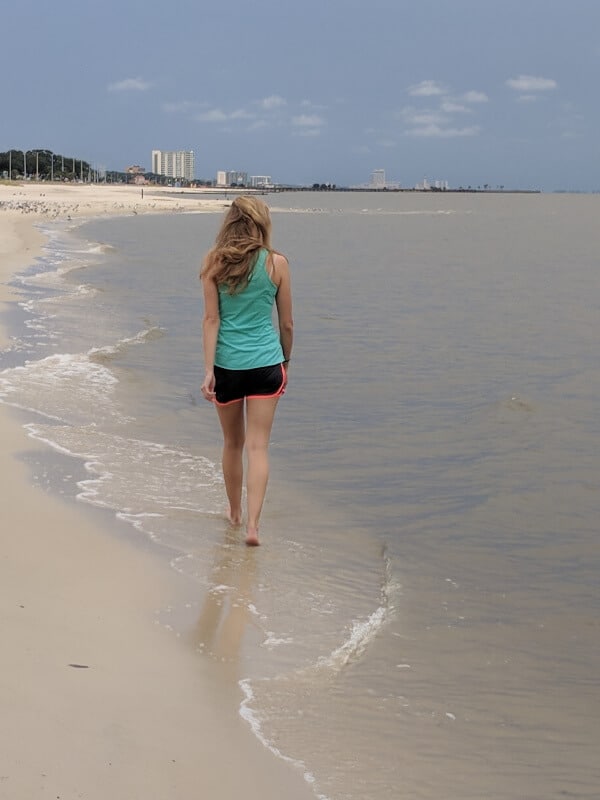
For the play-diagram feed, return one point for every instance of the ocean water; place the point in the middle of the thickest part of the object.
(422, 618)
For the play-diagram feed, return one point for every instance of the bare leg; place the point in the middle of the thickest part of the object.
(259, 421)
(231, 418)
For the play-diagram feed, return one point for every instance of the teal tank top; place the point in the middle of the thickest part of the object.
(247, 337)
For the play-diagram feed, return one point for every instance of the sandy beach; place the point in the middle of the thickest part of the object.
(98, 701)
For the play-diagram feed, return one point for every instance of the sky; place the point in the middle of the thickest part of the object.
(473, 92)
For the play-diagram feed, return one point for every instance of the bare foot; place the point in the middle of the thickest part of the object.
(252, 537)
(234, 519)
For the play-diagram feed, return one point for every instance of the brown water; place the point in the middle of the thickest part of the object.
(423, 619)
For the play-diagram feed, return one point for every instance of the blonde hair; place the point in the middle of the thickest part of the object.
(244, 231)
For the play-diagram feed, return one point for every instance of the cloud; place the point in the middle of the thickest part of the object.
(436, 131)
(273, 101)
(426, 89)
(307, 121)
(308, 132)
(529, 83)
(316, 106)
(218, 115)
(414, 116)
(129, 85)
(450, 107)
(214, 115)
(241, 114)
(178, 107)
(473, 96)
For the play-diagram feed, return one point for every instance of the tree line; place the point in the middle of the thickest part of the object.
(45, 165)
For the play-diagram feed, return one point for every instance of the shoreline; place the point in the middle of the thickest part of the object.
(24, 204)
(98, 699)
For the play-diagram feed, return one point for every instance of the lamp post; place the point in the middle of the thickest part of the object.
(25, 162)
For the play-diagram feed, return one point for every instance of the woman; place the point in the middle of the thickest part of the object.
(245, 358)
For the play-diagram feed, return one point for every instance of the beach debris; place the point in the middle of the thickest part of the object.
(79, 666)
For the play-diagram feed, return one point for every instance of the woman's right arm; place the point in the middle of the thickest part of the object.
(283, 300)
(210, 331)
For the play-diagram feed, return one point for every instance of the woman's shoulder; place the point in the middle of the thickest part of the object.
(277, 259)
(206, 267)
(276, 265)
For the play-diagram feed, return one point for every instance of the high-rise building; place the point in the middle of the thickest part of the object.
(232, 177)
(237, 178)
(261, 182)
(174, 163)
(378, 179)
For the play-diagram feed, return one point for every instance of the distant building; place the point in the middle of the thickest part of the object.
(237, 178)
(261, 182)
(437, 186)
(135, 170)
(378, 179)
(221, 178)
(174, 163)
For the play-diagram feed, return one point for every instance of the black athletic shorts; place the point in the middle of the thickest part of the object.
(235, 384)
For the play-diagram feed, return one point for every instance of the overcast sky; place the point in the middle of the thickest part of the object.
(503, 92)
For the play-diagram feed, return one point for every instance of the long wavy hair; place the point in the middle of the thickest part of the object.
(245, 230)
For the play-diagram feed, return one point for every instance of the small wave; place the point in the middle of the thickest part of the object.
(265, 696)
(83, 290)
(361, 635)
(101, 355)
(362, 632)
(62, 386)
(254, 721)
(139, 480)
(99, 248)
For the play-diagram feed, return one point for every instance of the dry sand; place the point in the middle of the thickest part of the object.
(97, 700)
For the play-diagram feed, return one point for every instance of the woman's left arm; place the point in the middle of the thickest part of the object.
(283, 300)
(210, 331)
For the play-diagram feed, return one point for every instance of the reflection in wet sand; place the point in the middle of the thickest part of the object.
(226, 610)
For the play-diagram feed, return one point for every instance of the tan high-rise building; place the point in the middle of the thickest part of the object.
(174, 163)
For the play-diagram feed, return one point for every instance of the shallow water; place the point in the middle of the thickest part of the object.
(422, 620)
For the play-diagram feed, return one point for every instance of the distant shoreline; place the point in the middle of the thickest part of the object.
(235, 190)
(337, 189)
(407, 190)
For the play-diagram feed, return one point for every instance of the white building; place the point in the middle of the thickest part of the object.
(378, 179)
(232, 177)
(174, 163)
(261, 182)
(437, 186)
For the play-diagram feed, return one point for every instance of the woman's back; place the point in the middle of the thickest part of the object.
(247, 338)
